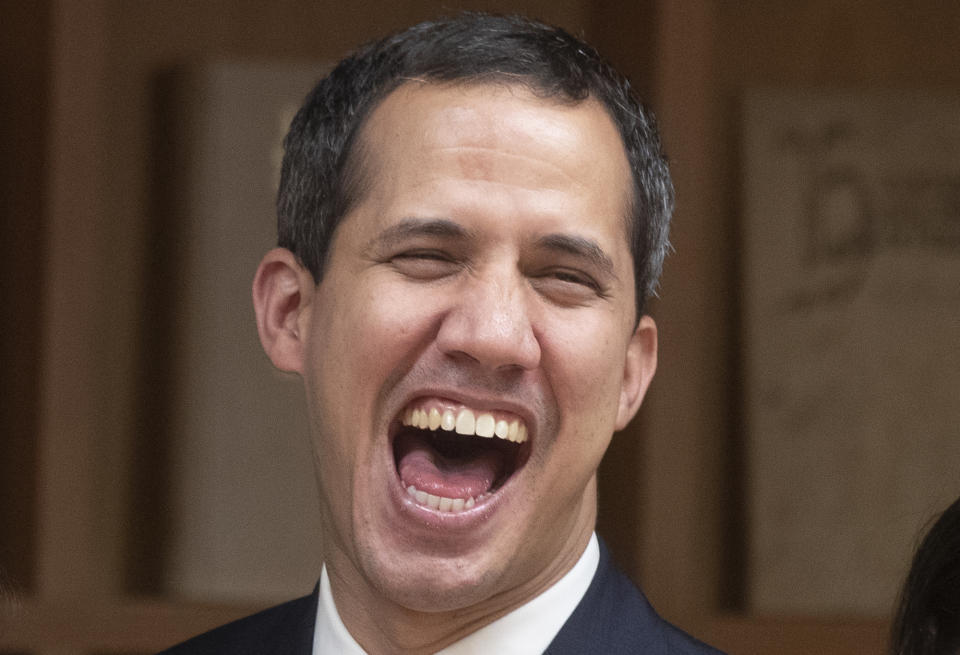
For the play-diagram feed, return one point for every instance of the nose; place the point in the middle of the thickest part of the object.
(489, 322)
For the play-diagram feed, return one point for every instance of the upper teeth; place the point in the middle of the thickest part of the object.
(466, 422)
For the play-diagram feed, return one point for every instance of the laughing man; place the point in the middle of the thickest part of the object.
(472, 215)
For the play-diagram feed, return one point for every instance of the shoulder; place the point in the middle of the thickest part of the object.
(286, 628)
(615, 617)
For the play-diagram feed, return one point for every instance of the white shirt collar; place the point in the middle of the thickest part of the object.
(528, 629)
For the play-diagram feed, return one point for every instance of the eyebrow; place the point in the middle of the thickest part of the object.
(579, 247)
(419, 227)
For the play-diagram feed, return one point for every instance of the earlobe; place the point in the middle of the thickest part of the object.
(639, 367)
(282, 290)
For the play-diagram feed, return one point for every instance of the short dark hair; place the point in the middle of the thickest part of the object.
(927, 621)
(321, 178)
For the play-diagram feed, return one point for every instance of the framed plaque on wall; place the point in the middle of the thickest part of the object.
(851, 274)
(244, 514)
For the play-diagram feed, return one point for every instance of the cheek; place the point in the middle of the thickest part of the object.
(587, 395)
(361, 340)
(586, 368)
(364, 332)
(383, 329)
(587, 360)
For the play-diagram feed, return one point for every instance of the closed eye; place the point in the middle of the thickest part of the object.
(425, 264)
(575, 278)
(568, 286)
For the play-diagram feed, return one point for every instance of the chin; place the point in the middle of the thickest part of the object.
(434, 586)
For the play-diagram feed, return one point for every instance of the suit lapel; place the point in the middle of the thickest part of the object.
(613, 616)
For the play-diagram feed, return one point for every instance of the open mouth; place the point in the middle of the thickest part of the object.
(451, 459)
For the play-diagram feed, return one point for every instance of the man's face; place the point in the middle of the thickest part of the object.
(482, 283)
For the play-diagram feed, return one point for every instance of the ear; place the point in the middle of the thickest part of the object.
(638, 370)
(282, 291)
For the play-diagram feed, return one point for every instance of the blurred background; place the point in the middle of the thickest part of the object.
(799, 435)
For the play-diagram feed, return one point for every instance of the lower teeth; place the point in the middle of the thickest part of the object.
(441, 503)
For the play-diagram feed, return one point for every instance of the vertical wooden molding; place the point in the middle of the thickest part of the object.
(76, 556)
(685, 420)
(24, 79)
(624, 33)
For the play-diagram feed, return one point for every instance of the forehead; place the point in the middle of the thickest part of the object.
(497, 133)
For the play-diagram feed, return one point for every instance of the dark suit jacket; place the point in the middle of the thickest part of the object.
(612, 618)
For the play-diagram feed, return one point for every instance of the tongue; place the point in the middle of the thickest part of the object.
(465, 475)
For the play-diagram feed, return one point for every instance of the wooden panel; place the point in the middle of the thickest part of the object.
(686, 418)
(81, 470)
(797, 636)
(133, 626)
(821, 43)
(23, 103)
(624, 33)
